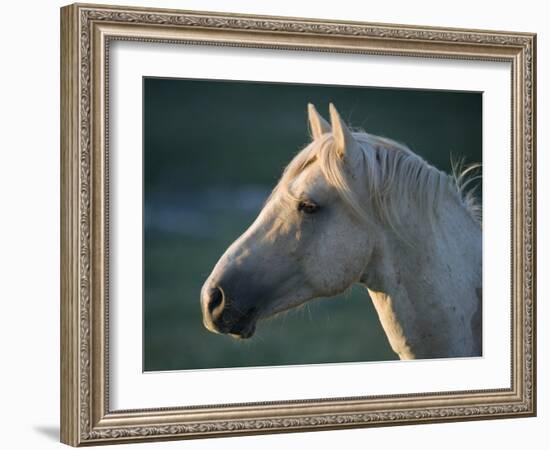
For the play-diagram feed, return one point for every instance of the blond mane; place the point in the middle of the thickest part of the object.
(395, 176)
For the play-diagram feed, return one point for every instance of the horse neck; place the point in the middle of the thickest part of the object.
(428, 296)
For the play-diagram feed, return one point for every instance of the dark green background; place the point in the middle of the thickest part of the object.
(213, 150)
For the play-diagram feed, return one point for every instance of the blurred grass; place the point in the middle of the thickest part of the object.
(206, 140)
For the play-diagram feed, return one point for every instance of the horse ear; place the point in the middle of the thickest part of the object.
(317, 125)
(346, 145)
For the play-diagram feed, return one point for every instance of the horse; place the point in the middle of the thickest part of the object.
(353, 207)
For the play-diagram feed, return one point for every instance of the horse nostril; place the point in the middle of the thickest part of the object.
(215, 299)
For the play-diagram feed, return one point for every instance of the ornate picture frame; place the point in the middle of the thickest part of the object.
(87, 31)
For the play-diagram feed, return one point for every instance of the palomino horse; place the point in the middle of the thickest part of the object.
(357, 208)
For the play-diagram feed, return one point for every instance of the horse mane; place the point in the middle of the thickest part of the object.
(394, 174)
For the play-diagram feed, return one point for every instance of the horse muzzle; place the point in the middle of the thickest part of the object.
(222, 316)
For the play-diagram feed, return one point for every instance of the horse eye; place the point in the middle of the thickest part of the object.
(308, 207)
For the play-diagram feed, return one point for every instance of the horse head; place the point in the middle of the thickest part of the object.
(308, 241)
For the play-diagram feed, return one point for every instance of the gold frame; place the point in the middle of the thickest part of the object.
(86, 31)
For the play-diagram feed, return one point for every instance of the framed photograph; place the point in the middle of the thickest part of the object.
(274, 224)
